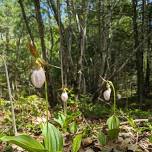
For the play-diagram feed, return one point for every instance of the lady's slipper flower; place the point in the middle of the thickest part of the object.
(38, 77)
(107, 93)
(64, 96)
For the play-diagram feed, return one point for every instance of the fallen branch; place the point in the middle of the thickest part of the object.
(136, 121)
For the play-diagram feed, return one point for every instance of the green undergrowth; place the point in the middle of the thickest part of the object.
(94, 110)
(138, 113)
(29, 112)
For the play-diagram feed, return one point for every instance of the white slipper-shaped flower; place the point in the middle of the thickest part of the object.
(64, 96)
(38, 77)
(107, 93)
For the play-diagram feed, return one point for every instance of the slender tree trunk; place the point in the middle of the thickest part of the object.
(147, 78)
(51, 96)
(148, 69)
(40, 28)
(82, 48)
(10, 98)
(61, 42)
(26, 21)
(71, 69)
(82, 26)
(52, 5)
(139, 54)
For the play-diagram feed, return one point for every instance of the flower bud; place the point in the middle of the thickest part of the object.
(64, 96)
(106, 94)
(38, 77)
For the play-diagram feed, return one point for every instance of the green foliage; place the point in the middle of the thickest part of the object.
(24, 141)
(105, 50)
(53, 139)
(113, 122)
(138, 113)
(29, 111)
(73, 127)
(8, 148)
(132, 122)
(113, 134)
(102, 138)
(61, 120)
(76, 143)
(67, 122)
(2, 103)
(72, 97)
(113, 126)
(94, 109)
(150, 139)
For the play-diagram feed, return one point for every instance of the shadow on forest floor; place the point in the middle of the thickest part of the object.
(132, 103)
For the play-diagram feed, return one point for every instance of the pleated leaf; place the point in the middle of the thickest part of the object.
(113, 122)
(76, 143)
(24, 141)
(52, 138)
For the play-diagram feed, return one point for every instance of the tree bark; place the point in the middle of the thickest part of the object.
(81, 23)
(26, 21)
(63, 43)
(139, 54)
(148, 69)
(51, 96)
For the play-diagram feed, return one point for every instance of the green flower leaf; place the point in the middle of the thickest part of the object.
(102, 138)
(113, 122)
(53, 139)
(76, 143)
(26, 142)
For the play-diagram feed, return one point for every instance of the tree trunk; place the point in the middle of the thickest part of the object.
(51, 96)
(81, 23)
(26, 21)
(148, 69)
(139, 54)
(64, 56)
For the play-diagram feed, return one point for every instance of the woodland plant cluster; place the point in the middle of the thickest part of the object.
(72, 131)
(53, 139)
(76, 132)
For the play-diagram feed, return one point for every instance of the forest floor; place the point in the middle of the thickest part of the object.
(134, 136)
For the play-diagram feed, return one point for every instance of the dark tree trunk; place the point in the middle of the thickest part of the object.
(25, 20)
(51, 96)
(147, 79)
(61, 29)
(148, 69)
(139, 54)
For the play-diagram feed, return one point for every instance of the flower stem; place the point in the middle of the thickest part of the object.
(65, 107)
(114, 96)
(47, 106)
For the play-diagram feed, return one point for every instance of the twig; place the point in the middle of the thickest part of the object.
(102, 78)
(104, 102)
(54, 66)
